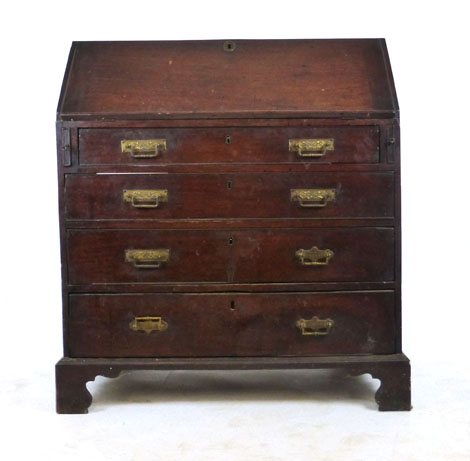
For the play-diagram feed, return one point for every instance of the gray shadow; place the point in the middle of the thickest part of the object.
(241, 386)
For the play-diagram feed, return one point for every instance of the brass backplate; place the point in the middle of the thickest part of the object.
(143, 147)
(148, 324)
(140, 198)
(314, 147)
(314, 256)
(315, 326)
(147, 258)
(313, 197)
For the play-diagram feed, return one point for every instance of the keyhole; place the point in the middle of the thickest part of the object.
(229, 185)
(228, 139)
(230, 240)
(229, 45)
(232, 305)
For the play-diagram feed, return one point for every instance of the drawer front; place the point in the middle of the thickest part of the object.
(193, 256)
(231, 325)
(348, 144)
(250, 256)
(314, 255)
(229, 196)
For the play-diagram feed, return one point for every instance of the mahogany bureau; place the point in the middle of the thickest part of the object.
(230, 205)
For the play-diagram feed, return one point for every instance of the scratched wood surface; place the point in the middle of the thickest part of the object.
(231, 324)
(200, 79)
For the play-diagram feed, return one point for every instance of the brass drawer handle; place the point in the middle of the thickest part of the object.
(313, 198)
(315, 147)
(314, 257)
(145, 198)
(143, 148)
(147, 259)
(148, 324)
(315, 326)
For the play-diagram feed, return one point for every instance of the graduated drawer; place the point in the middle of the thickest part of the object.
(229, 196)
(152, 146)
(172, 325)
(249, 256)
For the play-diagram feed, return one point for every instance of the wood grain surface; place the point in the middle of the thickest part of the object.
(231, 324)
(199, 79)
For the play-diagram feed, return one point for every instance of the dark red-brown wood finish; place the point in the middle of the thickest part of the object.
(230, 195)
(234, 287)
(231, 324)
(255, 255)
(201, 79)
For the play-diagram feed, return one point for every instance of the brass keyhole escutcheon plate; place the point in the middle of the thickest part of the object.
(229, 45)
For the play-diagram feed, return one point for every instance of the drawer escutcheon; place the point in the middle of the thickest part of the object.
(313, 198)
(315, 147)
(147, 259)
(148, 324)
(143, 148)
(315, 326)
(145, 198)
(314, 256)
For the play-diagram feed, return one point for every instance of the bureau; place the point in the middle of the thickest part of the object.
(230, 205)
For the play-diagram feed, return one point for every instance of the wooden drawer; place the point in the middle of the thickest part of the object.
(194, 256)
(352, 144)
(231, 324)
(360, 254)
(229, 196)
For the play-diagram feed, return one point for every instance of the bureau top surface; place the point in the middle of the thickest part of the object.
(228, 79)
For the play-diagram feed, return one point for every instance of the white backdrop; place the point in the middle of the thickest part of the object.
(428, 46)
